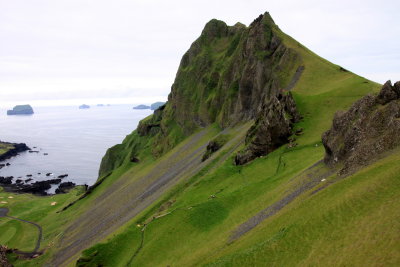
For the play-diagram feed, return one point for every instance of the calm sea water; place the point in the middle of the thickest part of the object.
(74, 139)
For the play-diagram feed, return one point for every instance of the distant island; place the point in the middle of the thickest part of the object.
(142, 107)
(84, 106)
(153, 106)
(100, 105)
(156, 105)
(20, 110)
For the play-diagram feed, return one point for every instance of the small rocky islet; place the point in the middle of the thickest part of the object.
(21, 110)
(153, 106)
(84, 106)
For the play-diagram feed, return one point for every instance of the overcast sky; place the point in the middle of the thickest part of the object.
(120, 51)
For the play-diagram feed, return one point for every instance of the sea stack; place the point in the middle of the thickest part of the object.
(21, 110)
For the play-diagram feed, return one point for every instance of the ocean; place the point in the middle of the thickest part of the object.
(69, 140)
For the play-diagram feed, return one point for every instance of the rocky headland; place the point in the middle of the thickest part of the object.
(8, 150)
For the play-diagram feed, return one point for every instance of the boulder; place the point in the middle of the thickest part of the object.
(65, 187)
(6, 180)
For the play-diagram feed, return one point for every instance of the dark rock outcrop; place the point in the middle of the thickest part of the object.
(3, 257)
(272, 128)
(21, 110)
(38, 188)
(6, 180)
(369, 128)
(211, 148)
(151, 126)
(65, 187)
(215, 145)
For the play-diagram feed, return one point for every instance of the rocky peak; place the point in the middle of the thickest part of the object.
(389, 93)
(214, 29)
(229, 75)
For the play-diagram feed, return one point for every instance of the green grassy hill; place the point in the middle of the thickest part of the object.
(159, 204)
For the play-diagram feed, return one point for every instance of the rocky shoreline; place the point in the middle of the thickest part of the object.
(23, 184)
(38, 187)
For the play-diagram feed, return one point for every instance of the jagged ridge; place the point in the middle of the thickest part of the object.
(369, 128)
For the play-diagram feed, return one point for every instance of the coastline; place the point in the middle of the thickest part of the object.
(13, 149)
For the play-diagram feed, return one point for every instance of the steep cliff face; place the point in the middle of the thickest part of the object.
(369, 128)
(229, 75)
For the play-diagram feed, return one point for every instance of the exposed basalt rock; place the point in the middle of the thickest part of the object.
(211, 148)
(370, 127)
(6, 180)
(252, 67)
(134, 159)
(3, 257)
(65, 187)
(152, 125)
(271, 130)
(38, 188)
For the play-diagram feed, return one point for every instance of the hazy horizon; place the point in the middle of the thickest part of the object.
(74, 52)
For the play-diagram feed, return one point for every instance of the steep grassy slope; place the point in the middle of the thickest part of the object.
(170, 208)
(196, 223)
